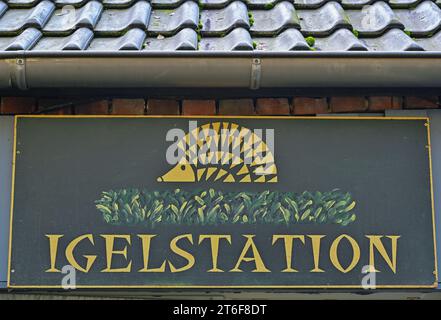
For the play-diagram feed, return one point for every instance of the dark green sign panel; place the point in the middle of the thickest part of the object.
(244, 202)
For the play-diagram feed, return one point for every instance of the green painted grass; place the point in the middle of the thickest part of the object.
(214, 207)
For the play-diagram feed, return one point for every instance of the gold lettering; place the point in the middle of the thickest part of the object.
(146, 240)
(316, 240)
(334, 254)
(70, 257)
(260, 266)
(375, 243)
(110, 252)
(214, 243)
(53, 250)
(288, 240)
(184, 254)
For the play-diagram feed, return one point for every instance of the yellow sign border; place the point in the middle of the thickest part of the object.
(394, 286)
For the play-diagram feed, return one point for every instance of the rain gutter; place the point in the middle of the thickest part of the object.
(185, 69)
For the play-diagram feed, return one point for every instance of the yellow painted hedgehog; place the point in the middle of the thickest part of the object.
(224, 152)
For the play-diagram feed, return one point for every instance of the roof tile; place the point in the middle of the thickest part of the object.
(404, 3)
(168, 22)
(238, 39)
(274, 25)
(22, 3)
(219, 22)
(73, 3)
(341, 40)
(214, 4)
(422, 20)
(118, 3)
(271, 22)
(431, 44)
(289, 40)
(166, 3)
(14, 20)
(263, 4)
(374, 20)
(68, 19)
(356, 4)
(186, 39)
(116, 21)
(79, 40)
(324, 20)
(393, 40)
(132, 40)
(3, 8)
(312, 4)
(23, 41)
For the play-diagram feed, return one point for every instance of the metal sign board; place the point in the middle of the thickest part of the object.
(222, 202)
(6, 137)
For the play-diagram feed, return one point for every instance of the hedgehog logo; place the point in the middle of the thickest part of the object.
(223, 152)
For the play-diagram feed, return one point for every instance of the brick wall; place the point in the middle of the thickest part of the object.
(298, 106)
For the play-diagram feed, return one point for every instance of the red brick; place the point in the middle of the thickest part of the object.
(421, 102)
(128, 106)
(309, 106)
(18, 105)
(162, 107)
(94, 107)
(348, 104)
(199, 107)
(62, 106)
(235, 107)
(272, 106)
(381, 103)
(60, 111)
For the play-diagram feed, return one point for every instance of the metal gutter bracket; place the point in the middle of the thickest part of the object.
(18, 73)
(256, 73)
